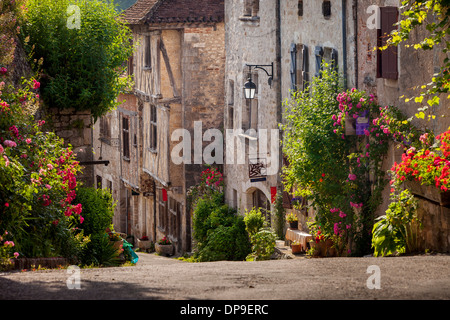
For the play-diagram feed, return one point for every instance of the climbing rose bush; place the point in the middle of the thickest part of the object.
(37, 178)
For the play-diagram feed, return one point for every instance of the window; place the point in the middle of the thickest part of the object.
(99, 182)
(387, 63)
(162, 221)
(230, 117)
(326, 9)
(126, 137)
(235, 199)
(325, 55)
(230, 96)
(251, 8)
(174, 219)
(299, 66)
(130, 66)
(300, 8)
(153, 128)
(110, 186)
(147, 53)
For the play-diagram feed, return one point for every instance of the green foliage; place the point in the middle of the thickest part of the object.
(279, 216)
(332, 168)
(218, 230)
(37, 179)
(81, 67)
(100, 252)
(226, 243)
(396, 232)
(98, 210)
(254, 221)
(261, 236)
(263, 245)
(433, 17)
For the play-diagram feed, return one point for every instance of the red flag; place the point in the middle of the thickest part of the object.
(273, 193)
(164, 195)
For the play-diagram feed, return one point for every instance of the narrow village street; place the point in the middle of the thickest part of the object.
(155, 277)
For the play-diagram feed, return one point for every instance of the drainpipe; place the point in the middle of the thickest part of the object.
(344, 40)
(278, 75)
(355, 25)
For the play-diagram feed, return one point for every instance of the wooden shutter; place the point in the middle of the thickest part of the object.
(293, 70)
(388, 59)
(334, 59)
(318, 52)
(304, 63)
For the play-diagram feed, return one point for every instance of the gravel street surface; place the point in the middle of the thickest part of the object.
(156, 277)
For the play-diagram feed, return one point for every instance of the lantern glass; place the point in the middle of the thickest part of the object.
(249, 89)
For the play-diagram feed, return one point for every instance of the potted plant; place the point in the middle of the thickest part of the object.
(164, 247)
(144, 243)
(296, 247)
(292, 219)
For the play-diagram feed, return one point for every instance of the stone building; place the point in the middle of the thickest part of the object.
(252, 141)
(296, 37)
(313, 33)
(178, 69)
(389, 76)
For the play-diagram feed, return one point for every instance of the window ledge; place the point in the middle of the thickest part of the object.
(249, 18)
(152, 150)
(147, 68)
(126, 159)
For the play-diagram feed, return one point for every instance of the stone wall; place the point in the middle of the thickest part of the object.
(435, 232)
(249, 40)
(75, 128)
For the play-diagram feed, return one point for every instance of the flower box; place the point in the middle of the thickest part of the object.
(362, 123)
(164, 249)
(429, 192)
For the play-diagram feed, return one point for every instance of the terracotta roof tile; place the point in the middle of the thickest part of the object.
(137, 12)
(175, 11)
(186, 11)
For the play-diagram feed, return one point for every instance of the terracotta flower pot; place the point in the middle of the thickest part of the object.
(296, 248)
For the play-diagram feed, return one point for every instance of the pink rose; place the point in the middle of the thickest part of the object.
(352, 177)
(28, 141)
(10, 143)
(36, 84)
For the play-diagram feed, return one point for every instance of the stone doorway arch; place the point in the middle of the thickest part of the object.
(256, 198)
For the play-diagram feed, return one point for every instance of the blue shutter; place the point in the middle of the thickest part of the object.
(319, 58)
(305, 64)
(334, 59)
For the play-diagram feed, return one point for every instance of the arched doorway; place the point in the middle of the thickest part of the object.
(259, 200)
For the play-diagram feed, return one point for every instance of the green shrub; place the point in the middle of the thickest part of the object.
(83, 65)
(218, 230)
(254, 221)
(263, 245)
(98, 210)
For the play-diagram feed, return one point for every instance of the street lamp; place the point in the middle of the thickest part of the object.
(249, 89)
(249, 86)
